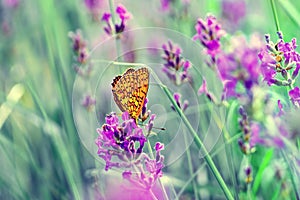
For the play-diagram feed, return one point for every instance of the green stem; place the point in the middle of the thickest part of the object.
(275, 15)
(111, 8)
(199, 144)
(190, 165)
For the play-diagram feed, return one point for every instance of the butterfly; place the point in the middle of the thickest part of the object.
(130, 91)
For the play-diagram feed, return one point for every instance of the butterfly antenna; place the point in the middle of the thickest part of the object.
(158, 128)
(153, 127)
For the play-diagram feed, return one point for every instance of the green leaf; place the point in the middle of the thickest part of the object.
(259, 176)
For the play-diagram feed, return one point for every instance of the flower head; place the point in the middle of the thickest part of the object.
(122, 140)
(176, 67)
(88, 102)
(209, 33)
(165, 5)
(119, 27)
(233, 10)
(251, 133)
(11, 3)
(183, 106)
(248, 173)
(240, 64)
(203, 90)
(79, 47)
(295, 96)
(280, 62)
(94, 7)
(149, 170)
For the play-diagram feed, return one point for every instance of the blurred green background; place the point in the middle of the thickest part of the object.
(40, 152)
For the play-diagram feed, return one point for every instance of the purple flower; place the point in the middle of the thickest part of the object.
(78, 41)
(251, 133)
(183, 106)
(11, 3)
(280, 107)
(149, 170)
(124, 141)
(88, 102)
(288, 50)
(165, 5)
(149, 125)
(255, 135)
(176, 68)
(106, 17)
(233, 10)
(82, 55)
(131, 187)
(79, 47)
(94, 7)
(159, 146)
(268, 66)
(122, 12)
(209, 33)
(240, 64)
(280, 62)
(295, 96)
(278, 142)
(248, 173)
(119, 27)
(203, 90)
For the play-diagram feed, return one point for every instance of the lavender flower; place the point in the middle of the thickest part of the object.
(11, 3)
(124, 141)
(183, 106)
(94, 7)
(176, 68)
(248, 173)
(280, 107)
(88, 102)
(117, 28)
(79, 47)
(149, 125)
(233, 10)
(166, 5)
(209, 33)
(250, 137)
(240, 65)
(149, 172)
(280, 62)
(295, 96)
(203, 90)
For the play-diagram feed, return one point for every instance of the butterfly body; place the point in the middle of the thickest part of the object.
(130, 91)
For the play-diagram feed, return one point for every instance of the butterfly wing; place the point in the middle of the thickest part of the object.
(130, 90)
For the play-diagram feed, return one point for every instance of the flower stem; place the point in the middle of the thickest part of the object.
(190, 165)
(199, 144)
(275, 15)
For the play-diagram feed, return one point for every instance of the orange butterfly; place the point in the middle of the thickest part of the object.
(130, 91)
